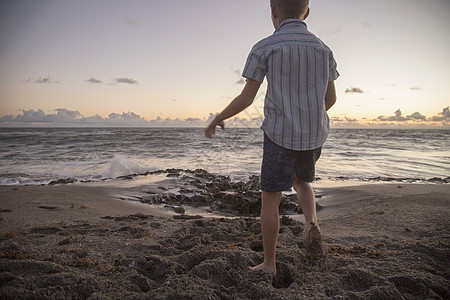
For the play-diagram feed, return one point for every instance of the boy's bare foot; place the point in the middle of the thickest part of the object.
(267, 269)
(314, 248)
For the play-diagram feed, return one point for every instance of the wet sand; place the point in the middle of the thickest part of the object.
(90, 241)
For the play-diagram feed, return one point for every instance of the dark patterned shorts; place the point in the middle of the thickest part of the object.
(280, 166)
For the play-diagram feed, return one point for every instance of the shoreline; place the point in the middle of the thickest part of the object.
(382, 241)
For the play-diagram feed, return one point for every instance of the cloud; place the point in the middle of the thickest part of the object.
(354, 90)
(125, 118)
(130, 21)
(114, 81)
(125, 80)
(397, 117)
(45, 80)
(93, 80)
(39, 116)
(66, 118)
(443, 116)
(416, 116)
(71, 118)
(241, 80)
(343, 121)
(41, 80)
(31, 116)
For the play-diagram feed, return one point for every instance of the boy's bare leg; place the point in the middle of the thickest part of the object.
(270, 226)
(307, 201)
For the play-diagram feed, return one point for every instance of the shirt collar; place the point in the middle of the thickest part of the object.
(289, 22)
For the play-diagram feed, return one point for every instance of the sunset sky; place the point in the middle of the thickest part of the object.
(143, 60)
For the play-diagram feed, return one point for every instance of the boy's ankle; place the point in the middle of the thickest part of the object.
(314, 247)
(266, 268)
(309, 226)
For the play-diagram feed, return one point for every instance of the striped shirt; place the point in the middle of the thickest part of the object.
(298, 67)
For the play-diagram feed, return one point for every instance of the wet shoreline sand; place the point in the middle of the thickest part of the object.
(91, 241)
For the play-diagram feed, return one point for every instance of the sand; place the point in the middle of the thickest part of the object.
(88, 241)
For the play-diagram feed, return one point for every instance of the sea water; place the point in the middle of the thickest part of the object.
(32, 156)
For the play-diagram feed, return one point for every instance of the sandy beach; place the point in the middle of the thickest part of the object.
(91, 241)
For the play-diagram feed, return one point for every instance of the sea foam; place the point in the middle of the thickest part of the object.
(122, 166)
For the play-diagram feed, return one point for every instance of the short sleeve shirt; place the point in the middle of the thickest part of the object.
(298, 67)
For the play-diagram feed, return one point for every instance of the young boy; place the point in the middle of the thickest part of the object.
(300, 71)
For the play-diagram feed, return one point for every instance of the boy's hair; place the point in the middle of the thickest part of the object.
(291, 8)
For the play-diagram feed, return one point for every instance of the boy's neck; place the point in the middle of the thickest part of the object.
(278, 18)
(278, 23)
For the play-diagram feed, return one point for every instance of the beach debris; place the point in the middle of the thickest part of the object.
(47, 207)
(8, 235)
(70, 240)
(51, 257)
(11, 254)
(378, 245)
(141, 234)
(5, 210)
(356, 250)
(373, 254)
(82, 262)
(335, 250)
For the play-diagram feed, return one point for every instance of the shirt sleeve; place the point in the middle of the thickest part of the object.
(334, 74)
(256, 65)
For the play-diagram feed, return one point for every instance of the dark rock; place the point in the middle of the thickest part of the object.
(187, 217)
(240, 203)
(151, 199)
(63, 181)
(179, 209)
(127, 177)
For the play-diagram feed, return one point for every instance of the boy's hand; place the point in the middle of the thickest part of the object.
(211, 130)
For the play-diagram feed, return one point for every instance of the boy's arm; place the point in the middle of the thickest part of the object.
(330, 95)
(241, 102)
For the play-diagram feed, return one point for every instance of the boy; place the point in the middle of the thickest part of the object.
(300, 72)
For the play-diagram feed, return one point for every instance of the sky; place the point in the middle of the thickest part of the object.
(178, 62)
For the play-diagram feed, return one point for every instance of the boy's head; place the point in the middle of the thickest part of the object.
(289, 9)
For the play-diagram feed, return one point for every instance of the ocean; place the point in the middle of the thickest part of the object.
(35, 156)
